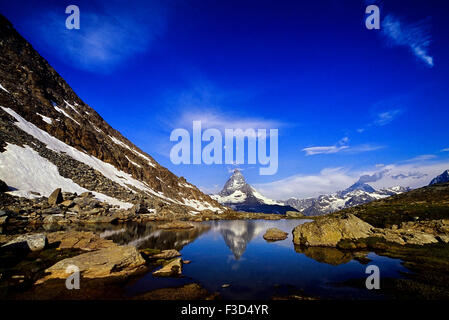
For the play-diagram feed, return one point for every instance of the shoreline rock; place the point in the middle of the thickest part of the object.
(171, 269)
(31, 242)
(328, 231)
(344, 231)
(109, 262)
(175, 225)
(275, 234)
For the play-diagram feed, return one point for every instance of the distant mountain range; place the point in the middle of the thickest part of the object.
(358, 193)
(240, 196)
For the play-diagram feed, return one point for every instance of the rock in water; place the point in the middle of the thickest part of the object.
(274, 234)
(176, 225)
(87, 241)
(328, 231)
(55, 197)
(173, 268)
(294, 214)
(109, 262)
(167, 254)
(33, 242)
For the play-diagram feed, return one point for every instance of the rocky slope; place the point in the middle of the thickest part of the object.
(442, 178)
(50, 138)
(239, 195)
(358, 193)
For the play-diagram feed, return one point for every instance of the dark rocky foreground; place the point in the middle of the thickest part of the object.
(34, 266)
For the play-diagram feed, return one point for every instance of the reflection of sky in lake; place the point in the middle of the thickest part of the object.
(235, 253)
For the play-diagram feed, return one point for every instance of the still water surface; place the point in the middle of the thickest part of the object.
(235, 253)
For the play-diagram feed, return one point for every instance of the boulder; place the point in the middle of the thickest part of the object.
(3, 220)
(327, 231)
(55, 197)
(175, 225)
(167, 254)
(3, 217)
(68, 203)
(87, 241)
(171, 269)
(33, 242)
(407, 236)
(274, 234)
(294, 214)
(55, 219)
(109, 262)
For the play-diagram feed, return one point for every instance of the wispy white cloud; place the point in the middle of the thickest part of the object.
(415, 36)
(217, 119)
(384, 118)
(323, 150)
(445, 150)
(107, 36)
(215, 108)
(422, 157)
(341, 146)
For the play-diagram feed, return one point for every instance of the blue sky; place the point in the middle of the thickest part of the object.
(347, 101)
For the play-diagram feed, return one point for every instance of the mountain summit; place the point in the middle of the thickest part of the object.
(444, 177)
(50, 138)
(241, 196)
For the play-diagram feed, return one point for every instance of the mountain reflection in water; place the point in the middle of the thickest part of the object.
(237, 234)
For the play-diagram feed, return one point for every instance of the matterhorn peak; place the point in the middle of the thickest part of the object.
(239, 195)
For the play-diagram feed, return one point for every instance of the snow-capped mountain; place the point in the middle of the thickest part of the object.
(50, 138)
(444, 177)
(358, 193)
(241, 196)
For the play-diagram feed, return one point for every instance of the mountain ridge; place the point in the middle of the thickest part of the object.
(42, 120)
(356, 194)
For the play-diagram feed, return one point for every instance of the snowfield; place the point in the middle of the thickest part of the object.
(26, 171)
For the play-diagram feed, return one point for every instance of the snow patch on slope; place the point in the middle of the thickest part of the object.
(64, 113)
(235, 197)
(26, 171)
(120, 143)
(46, 119)
(73, 108)
(3, 88)
(108, 170)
